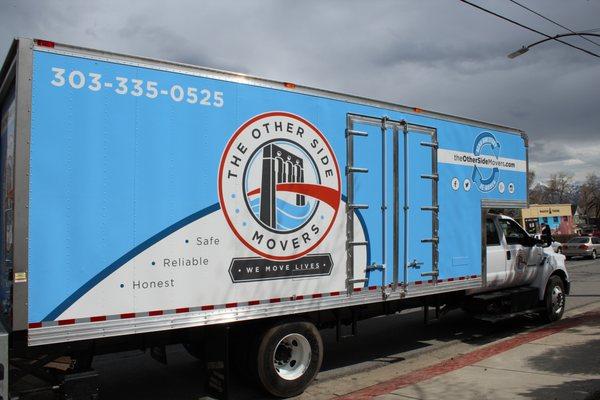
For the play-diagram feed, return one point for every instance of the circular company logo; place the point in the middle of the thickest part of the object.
(279, 185)
(486, 181)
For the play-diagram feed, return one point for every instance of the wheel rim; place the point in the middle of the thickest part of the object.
(292, 356)
(558, 299)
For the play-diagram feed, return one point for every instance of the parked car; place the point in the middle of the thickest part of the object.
(589, 230)
(556, 246)
(582, 246)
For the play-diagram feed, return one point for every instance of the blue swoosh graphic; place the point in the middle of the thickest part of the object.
(69, 301)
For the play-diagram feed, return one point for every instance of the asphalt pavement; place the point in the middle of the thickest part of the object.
(383, 345)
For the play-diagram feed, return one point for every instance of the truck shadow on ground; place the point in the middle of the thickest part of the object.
(395, 337)
(380, 341)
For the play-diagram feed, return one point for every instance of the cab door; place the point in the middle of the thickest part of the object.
(496, 255)
(522, 259)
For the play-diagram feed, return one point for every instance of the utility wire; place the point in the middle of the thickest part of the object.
(529, 29)
(554, 22)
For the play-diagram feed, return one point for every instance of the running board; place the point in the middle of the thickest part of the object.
(503, 317)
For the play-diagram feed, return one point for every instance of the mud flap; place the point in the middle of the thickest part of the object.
(3, 363)
(217, 366)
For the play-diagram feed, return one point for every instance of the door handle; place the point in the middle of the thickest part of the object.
(508, 255)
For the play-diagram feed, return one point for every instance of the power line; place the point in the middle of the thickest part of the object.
(554, 22)
(528, 28)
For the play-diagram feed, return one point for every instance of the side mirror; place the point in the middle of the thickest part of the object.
(531, 241)
(542, 243)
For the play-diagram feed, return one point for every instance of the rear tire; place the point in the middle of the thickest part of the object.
(289, 357)
(554, 300)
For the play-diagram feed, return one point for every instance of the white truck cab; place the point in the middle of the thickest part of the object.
(514, 259)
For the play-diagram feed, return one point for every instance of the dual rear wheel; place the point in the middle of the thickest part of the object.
(289, 357)
(283, 357)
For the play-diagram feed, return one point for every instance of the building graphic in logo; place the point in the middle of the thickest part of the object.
(486, 182)
(278, 163)
(279, 186)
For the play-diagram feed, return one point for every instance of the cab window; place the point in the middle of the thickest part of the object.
(513, 233)
(492, 233)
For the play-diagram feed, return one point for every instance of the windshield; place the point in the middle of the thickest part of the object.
(579, 240)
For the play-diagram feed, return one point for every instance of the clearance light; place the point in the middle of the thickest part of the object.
(289, 85)
(44, 43)
(417, 110)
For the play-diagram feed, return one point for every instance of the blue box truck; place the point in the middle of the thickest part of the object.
(154, 202)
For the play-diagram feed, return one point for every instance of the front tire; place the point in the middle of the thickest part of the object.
(554, 299)
(594, 255)
(289, 357)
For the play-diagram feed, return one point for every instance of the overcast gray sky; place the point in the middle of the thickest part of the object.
(440, 55)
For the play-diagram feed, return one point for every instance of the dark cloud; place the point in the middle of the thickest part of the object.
(445, 56)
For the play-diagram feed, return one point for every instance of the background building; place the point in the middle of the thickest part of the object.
(558, 216)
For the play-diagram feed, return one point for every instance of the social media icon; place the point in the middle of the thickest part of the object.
(467, 184)
(455, 184)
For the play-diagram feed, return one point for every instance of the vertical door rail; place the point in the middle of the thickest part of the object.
(351, 169)
(396, 221)
(434, 207)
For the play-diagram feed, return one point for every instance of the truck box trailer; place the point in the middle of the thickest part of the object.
(143, 196)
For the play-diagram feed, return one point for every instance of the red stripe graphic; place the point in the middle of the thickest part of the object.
(322, 193)
(155, 313)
